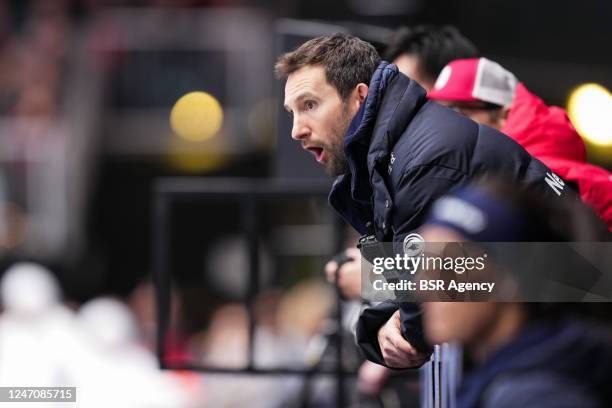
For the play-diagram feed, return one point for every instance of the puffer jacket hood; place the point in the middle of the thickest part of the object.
(370, 136)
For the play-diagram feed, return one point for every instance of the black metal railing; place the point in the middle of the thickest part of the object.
(250, 194)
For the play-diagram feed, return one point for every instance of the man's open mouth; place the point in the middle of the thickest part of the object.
(318, 152)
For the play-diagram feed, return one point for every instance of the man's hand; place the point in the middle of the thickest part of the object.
(349, 274)
(396, 351)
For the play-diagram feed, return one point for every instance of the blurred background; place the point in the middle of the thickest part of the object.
(87, 88)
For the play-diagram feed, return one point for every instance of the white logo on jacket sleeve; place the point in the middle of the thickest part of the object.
(413, 244)
(555, 182)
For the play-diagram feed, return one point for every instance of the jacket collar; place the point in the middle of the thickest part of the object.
(360, 133)
(392, 101)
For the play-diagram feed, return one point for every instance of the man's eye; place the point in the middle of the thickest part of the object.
(309, 105)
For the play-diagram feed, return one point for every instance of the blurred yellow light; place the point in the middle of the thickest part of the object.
(196, 158)
(197, 163)
(590, 109)
(196, 116)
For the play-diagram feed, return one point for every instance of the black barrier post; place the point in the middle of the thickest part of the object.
(339, 246)
(161, 217)
(249, 216)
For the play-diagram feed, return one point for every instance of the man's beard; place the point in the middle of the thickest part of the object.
(337, 163)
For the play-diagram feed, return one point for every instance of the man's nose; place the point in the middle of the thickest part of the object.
(299, 130)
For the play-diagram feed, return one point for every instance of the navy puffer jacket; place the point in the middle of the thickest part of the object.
(404, 152)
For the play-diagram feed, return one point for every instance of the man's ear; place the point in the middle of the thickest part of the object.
(362, 92)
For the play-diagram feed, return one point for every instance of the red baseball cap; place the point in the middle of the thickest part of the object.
(474, 80)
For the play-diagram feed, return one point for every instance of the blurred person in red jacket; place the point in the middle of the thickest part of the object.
(489, 94)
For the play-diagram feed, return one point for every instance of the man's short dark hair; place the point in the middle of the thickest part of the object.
(434, 46)
(347, 60)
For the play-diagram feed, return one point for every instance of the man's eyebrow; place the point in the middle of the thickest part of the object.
(301, 97)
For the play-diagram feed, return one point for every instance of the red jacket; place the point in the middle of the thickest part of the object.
(547, 133)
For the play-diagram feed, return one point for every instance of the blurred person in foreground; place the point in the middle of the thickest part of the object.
(489, 94)
(521, 354)
(394, 153)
